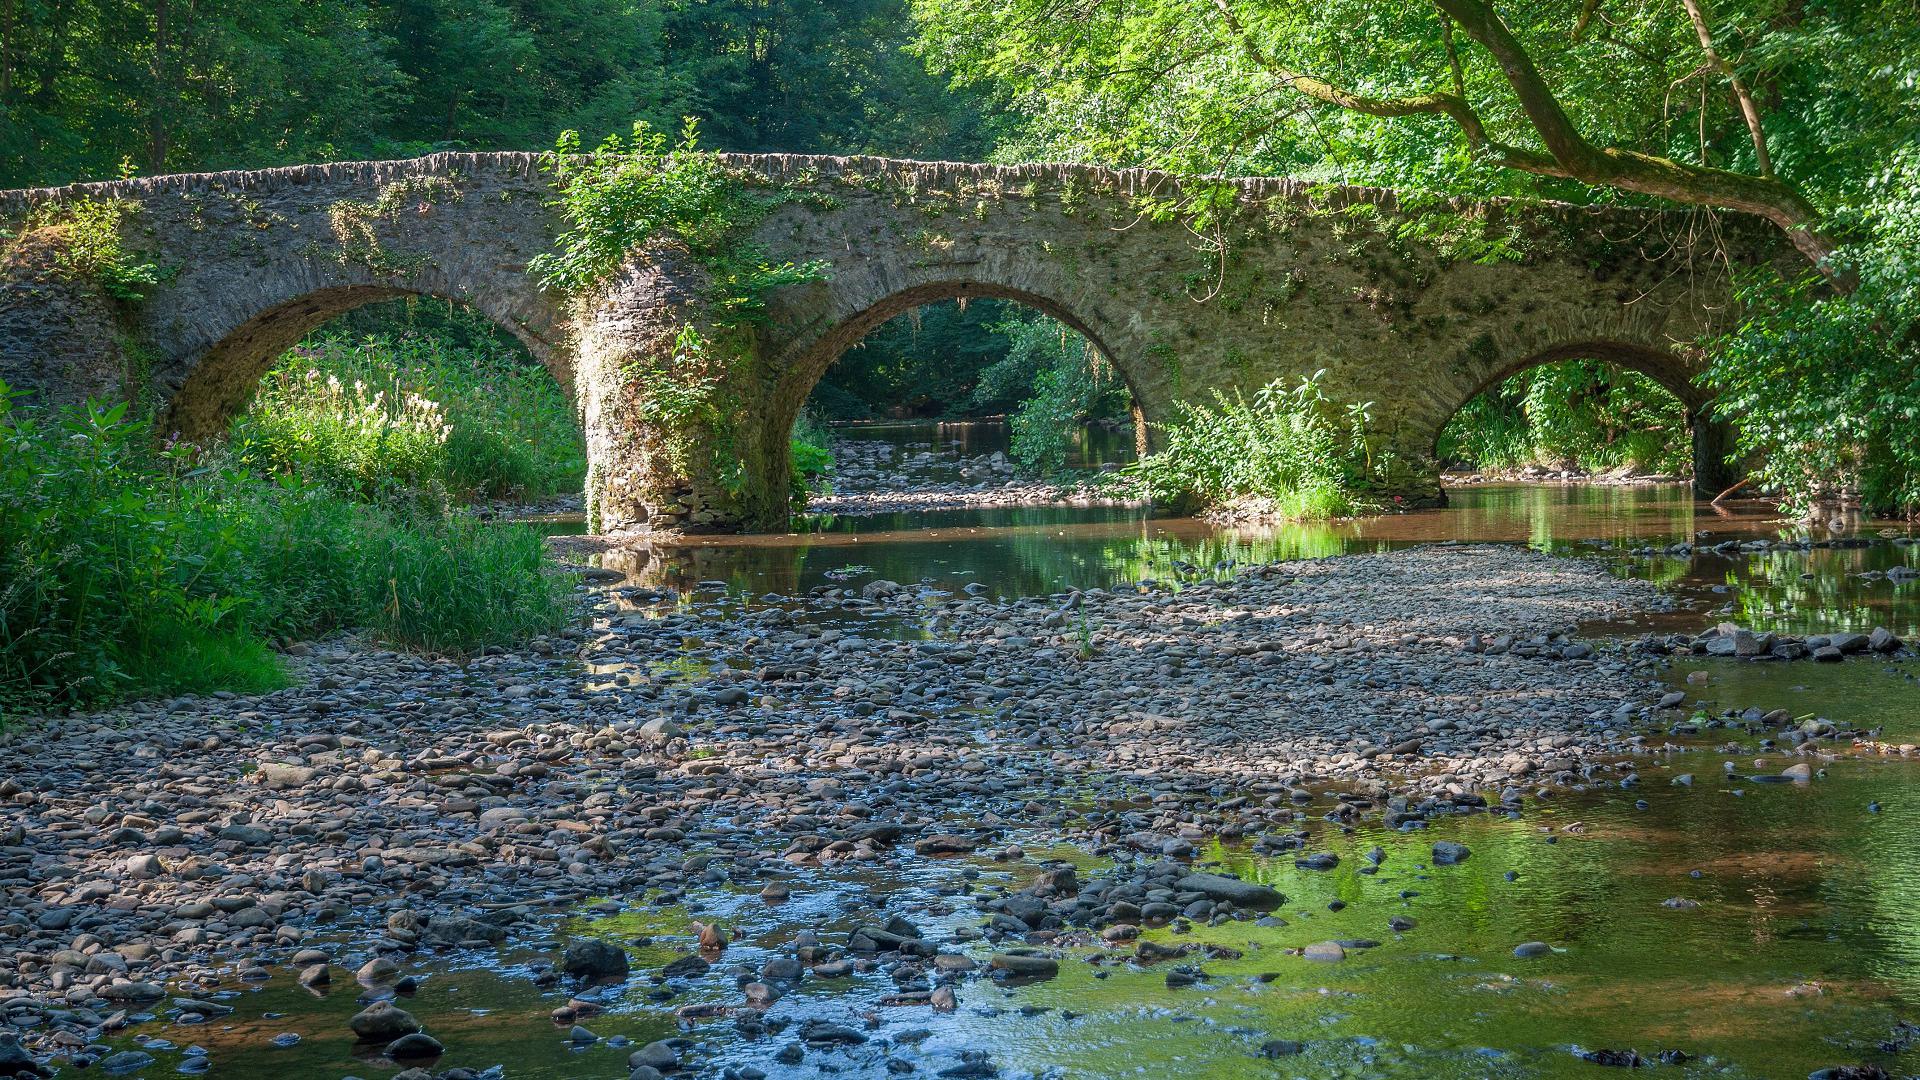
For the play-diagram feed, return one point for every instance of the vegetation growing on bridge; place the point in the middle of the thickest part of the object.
(83, 241)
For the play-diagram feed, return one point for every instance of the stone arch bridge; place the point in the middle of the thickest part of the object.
(1387, 296)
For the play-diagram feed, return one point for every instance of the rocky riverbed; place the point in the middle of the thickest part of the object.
(392, 804)
(874, 477)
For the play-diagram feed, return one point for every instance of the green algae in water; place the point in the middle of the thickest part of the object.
(1803, 951)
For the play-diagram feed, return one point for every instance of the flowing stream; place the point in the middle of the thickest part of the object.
(1740, 929)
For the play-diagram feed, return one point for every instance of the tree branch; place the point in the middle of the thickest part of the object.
(1630, 170)
(1748, 109)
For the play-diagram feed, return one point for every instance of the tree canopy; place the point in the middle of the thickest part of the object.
(1777, 107)
(90, 89)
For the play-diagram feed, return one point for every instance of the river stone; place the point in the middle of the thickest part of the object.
(1244, 894)
(14, 1059)
(125, 1061)
(1027, 965)
(133, 992)
(661, 730)
(1531, 949)
(1325, 952)
(415, 1045)
(383, 1022)
(378, 969)
(655, 1055)
(1448, 853)
(591, 958)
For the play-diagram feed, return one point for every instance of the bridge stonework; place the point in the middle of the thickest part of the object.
(1371, 288)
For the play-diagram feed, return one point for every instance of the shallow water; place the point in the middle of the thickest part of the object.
(1803, 950)
(1801, 954)
(1027, 551)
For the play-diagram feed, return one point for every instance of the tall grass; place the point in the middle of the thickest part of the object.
(437, 410)
(1295, 451)
(130, 570)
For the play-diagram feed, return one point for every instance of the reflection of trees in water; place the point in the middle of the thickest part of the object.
(1792, 886)
(1150, 553)
(1820, 590)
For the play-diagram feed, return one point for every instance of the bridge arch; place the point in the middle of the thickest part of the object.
(1672, 369)
(810, 363)
(805, 364)
(206, 393)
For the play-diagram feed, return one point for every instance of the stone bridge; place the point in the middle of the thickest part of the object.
(1413, 307)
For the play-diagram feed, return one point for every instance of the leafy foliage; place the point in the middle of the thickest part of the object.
(1296, 451)
(631, 192)
(1826, 385)
(1060, 383)
(1820, 382)
(1578, 412)
(90, 89)
(129, 570)
(440, 407)
(810, 455)
(89, 247)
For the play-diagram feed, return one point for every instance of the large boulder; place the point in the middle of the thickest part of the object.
(591, 958)
(1241, 894)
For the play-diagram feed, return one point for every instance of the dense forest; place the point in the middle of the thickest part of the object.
(92, 89)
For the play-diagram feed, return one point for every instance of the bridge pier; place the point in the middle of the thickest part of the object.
(672, 406)
(1716, 466)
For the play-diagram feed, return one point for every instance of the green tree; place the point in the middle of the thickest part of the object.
(1764, 106)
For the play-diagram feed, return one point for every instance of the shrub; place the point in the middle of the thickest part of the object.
(441, 412)
(1294, 449)
(1579, 412)
(1059, 382)
(129, 570)
(810, 456)
(1823, 384)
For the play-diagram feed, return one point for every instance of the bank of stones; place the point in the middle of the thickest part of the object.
(875, 477)
(392, 804)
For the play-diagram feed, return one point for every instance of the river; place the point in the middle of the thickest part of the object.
(1737, 927)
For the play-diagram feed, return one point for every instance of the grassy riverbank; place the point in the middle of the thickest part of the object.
(127, 569)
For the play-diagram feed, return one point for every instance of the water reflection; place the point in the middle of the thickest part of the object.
(1027, 551)
(1801, 953)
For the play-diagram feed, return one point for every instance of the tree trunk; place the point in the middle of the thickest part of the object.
(6, 49)
(157, 132)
